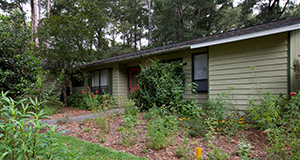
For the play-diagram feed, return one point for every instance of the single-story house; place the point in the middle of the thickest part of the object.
(215, 63)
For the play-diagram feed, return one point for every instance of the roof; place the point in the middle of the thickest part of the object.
(274, 27)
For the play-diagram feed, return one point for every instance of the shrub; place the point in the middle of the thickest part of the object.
(161, 84)
(19, 135)
(77, 101)
(19, 69)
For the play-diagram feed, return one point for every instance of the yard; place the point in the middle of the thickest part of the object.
(89, 131)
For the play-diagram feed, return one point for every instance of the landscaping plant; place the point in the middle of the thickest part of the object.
(160, 84)
(19, 135)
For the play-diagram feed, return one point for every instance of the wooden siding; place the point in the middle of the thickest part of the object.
(295, 52)
(229, 66)
(122, 81)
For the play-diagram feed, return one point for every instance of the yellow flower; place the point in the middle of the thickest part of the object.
(230, 122)
(217, 129)
(241, 118)
(114, 114)
(180, 119)
(83, 111)
(229, 114)
(188, 126)
(115, 106)
(183, 118)
(171, 121)
(231, 119)
(185, 128)
(223, 121)
(241, 121)
(188, 118)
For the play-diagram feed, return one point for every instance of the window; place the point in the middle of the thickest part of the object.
(78, 81)
(100, 81)
(200, 70)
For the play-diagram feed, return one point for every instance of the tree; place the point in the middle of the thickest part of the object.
(268, 10)
(19, 69)
(180, 20)
(70, 37)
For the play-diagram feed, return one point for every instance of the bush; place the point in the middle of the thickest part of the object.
(279, 117)
(19, 135)
(77, 101)
(19, 69)
(161, 84)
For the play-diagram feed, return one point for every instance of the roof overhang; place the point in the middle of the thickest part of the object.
(247, 36)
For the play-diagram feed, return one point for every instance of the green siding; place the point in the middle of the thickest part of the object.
(229, 66)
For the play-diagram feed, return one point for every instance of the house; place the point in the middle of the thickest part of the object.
(215, 63)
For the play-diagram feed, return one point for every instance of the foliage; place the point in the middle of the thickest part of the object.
(161, 84)
(128, 135)
(196, 127)
(161, 127)
(184, 150)
(19, 69)
(280, 140)
(76, 100)
(217, 154)
(244, 148)
(267, 11)
(97, 102)
(70, 42)
(221, 115)
(20, 137)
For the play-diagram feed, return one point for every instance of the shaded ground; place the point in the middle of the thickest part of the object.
(87, 130)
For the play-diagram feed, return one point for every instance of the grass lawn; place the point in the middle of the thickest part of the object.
(91, 150)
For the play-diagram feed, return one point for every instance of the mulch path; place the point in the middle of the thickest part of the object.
(89, 131)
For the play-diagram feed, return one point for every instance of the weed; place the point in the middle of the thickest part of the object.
(184, 150)
(102, 140)
(144, 150)
(244, 148)
(87, 130)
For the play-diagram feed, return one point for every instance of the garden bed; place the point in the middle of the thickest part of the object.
(88, 131)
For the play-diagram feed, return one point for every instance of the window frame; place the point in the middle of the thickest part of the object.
(100, 88)
(205, 90)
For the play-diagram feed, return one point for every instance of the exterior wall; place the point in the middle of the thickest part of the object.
(229, 66)
(122, 80)
(295, 52)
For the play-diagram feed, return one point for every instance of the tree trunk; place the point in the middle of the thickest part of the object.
(178, 22)
(34, 21)
(150, 23)
(65, 92)
(48, 15)
(135, 27)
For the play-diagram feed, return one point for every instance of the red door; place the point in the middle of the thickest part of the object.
(134, 79)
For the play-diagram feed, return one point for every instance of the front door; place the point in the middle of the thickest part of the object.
(134, 79)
